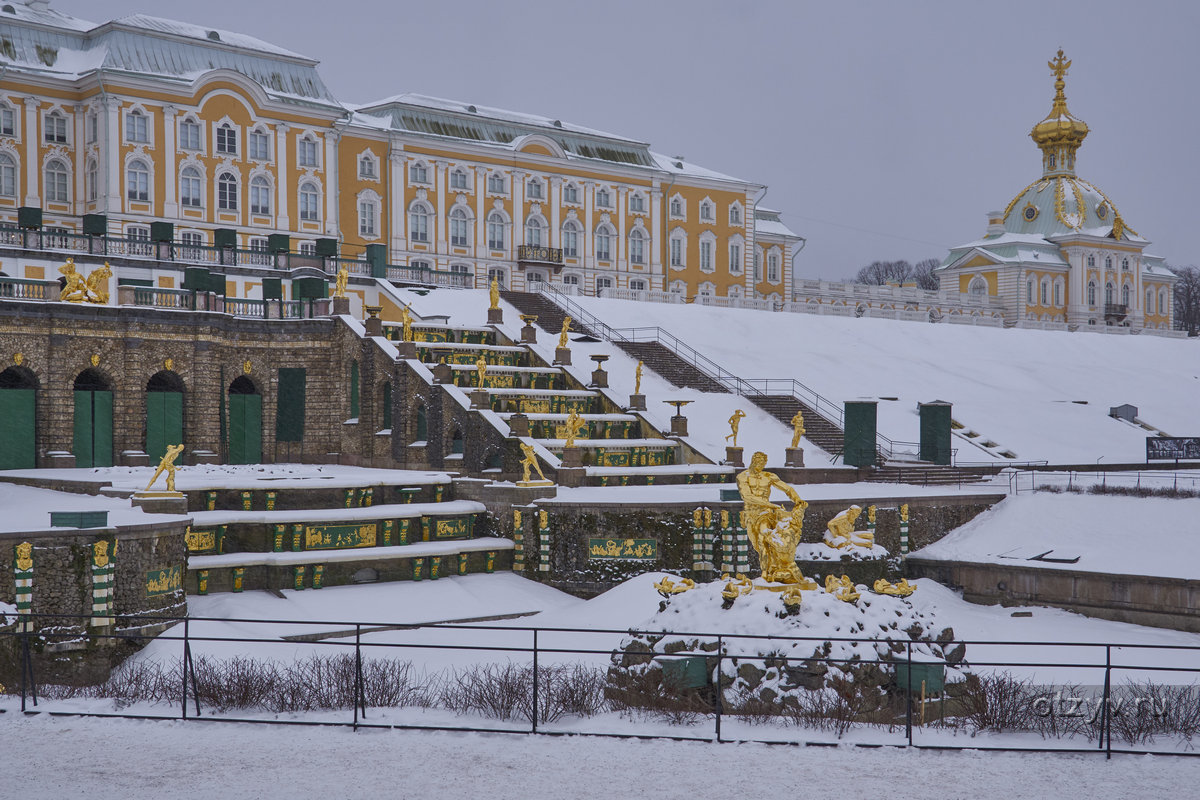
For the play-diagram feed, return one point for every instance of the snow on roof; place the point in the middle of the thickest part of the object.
(44, 16)
(187, 29)
(767, 221)
(681, 167)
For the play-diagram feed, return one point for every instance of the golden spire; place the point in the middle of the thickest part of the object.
(1060, 134)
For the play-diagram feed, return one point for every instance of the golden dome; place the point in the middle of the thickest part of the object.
(1060, 134)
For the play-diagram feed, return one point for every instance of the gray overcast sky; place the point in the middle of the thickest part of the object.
(884, 130)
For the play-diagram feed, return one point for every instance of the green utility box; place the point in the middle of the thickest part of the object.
(196, 279)
(162, 231)
(95, 224)
(933, 673)
(225, 237)
(935, 432)
(376, 256)
(327, 247)
(309, 288)
(216, 283)
(78, 519)
(858, 438)
(684, 672)
(272, 288)
(29, 217)
(279, 243)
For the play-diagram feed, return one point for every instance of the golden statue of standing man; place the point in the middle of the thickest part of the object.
(575, 424)
(75, 291)
(530, 461)
(406, 320)
(481, 370)
(168, 465)
(797, 428)
(637, 379)
(562, 337)
(734, 422)
(340, 280)
(774, 542)
(494, 294)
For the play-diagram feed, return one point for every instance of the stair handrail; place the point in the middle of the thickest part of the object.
(588, 321)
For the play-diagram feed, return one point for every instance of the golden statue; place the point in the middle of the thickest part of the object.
(75, 291)
(406, 320)
(797, 429)
(100, 553)
(667, 587)
(901, 589)
(517, 519)
(340, 280)
(840, 531)
(698, 518)
(842, 588)
(765, 521)
(168, 465)
(24, 556)
(871, 514)
(481, 370)
(575, 424)
(562, 337)
(494, 294)
(543, 518)
(734, 422)
(637, 379)
(97, 284)
(904, 512)
(530, 461)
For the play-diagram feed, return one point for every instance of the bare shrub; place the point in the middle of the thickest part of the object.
(505, 691)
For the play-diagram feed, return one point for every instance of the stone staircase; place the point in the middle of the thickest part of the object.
(818, 430)
(669, 365)
(550, 315)
(923, 474)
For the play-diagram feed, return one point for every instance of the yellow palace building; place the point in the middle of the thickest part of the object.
(151, 130)
(1061, 254)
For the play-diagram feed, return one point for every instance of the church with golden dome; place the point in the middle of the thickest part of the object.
(1060, 254)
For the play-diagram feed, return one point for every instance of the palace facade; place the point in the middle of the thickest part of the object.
(233, 142)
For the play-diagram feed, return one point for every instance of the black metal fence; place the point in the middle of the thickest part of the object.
(513, 679)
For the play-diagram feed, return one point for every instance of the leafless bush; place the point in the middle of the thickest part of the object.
(1000, 703)
(505, 691)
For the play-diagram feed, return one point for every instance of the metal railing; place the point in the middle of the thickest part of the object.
(704, 687)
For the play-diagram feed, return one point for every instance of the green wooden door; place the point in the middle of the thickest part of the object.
(17, 446)
(245, 428)
(164, 423)
(93, 434)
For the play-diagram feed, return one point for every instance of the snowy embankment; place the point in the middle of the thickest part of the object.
(1038, 394)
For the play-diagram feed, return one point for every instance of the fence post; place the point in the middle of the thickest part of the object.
(908, 709)
(184, 670)
(535, 680)
(717, 693)
(1106, 722)
(358, 690)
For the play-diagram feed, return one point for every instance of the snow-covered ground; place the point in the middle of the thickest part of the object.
(1018, 388)
(28, 509)
(259, 477)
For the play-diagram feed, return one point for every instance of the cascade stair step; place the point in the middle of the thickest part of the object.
(666, 363)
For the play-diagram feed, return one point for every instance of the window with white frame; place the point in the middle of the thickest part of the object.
(307, 248)
(8, 121)
(637, 285)
(708, 244)
(707, 213)
(310, 202)
(460, 227)
(418, 172)
(495, 230)
(368, 217)
(495, 183)
(978, 286)
(139, 240)
(735, 214)
(458, 179)
(260, 195)
(1108, 262)
(1162, 302)
(135, 127)
(1091, 293)
(1029, 291)
(1058, 292)
(91, 180)
(1125, 295)
(734, 292)
(603, 198)
(603, 282)
(1150, 300)
(55, 128)
(735, 258)
(571, 193)
(773, 272)
(189, 135)
(570, 239)
(137, 181)
(8, 176)
(570, 279)
(637, 246)
(1045, 292)
(706, 289)
(535, 190)
(1109, 292)
(259, 146)
(604, 239)
(1091, 261)
(57, 182)
(758, 271)
(227, 191)
(677, 207)
(535, 229)
(192, 241)
(92, 125)
(418, 222)
(637, 203)
(366, 166)
(226, 139)
(1125, 264)
(190, 187)
(678, 249)
(307, 154)
(500, 276)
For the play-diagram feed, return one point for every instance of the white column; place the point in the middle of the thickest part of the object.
(658, 236)
(332, 223)
(33, 153)
(111, 154)
(170, 206)
(518, 206)
(751, 248)
(79, 170)
(555, 201)
(589, 251)
(619, 254)
(396, 200)
(481, 210)
(283, 181)
(441, 206)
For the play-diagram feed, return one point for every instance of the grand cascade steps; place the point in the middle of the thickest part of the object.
(666, 363)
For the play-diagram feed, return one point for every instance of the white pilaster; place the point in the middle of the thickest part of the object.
(283, 181)
(395, 200)
(332, 215)
(441, 206)
(170, 206)
(33, 152)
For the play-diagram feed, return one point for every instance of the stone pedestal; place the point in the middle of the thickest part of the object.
(339, 305)
(480, 399)
(518, 425)
(562, 356)
(495, 316)
(637, 402)
(442, 373)
(679, 425)
(134, 458)
(599, 378)
(571, 476)
(572, 457)
(793, 457)
(529, 334)
(164, 502)
(203, 457)
(373, 326)
(537, 485)
(733, 457)
(60, 459)
(406, 349)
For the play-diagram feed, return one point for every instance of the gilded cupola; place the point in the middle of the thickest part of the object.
(1060, 134)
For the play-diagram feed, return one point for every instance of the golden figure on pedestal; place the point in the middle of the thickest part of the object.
(97, 284)
(75, 290)
(562, 337)
(494, 294)
(480, 371)
(340, 280)
(734, 422)
(168, 465)
(575, 424)
(840, 531)
(529, 462)
(637, 379)
(406, 322)
(797, 429)
(773, 532)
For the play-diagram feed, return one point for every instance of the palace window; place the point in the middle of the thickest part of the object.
(458, 179)
(978, 286)
(1058, 291)
(535, 189)
(1150, 301)
(706, 211)
(637, 203)
(368, 218)
(1125, 295)
(189, 187)
(366, 166)
(773, 268)
(310, 202)
(735, 214)
(758, 276)
(1162, 302)
(535, 228)
(307, 248)
(676, 207)
(604, 237)
(495, 183)
(418, 173)
(1029, 291)
(1125, 264)
(1108, 293)
(137, 181)
(1091, 294)
(57, 182)
(226, 139)
(135, 127)
(603, 198)
(189, 135)
(8, 176)
(227, 192)
(637, 285)
(495, 229)
(8, 121)
(260, 195)
(570, 239)
(460, 227)
(418, 222)
(1045, 292)
(500, 275)
(678, 247)
(706, 256)
(306, 152)
(735, 258)
(55, 128)
(637, 247)
(259, 146)
(571, 193)
(603, 283)
(1108, 262)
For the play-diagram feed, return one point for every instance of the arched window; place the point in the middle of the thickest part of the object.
(366, 169)
(1029, 291)
(1091, 261)
(260, 195)
(190, 187)
(368, 217)
(1092, 293)
(706, 211)
(773, 275)
(56, 128)
(735, 215)
(189, 134)
(676, 206)
(603, 282)
(637, 247)
(418, 173)
(637, 285)
(637, 203)
(495, 183)
(1125, 295)
(458, 179)
(535, 228)
(226, 139)
(137, 180)
(500, 274)
(460, 227)
(1108, 262)
(306, 151)
(495, 229)
(1150, 301)
(227, 191)
(1162, 302)
(91, 180)
(603, 198)
(8, 176)
(604, 239)
(1124, 264)
(310, 202)
(570, 239)
(978, 286)
(1058, 290)
(535, 189)
(57, 182)
(1045, 291)
(1108, 294)
(570, 279)
(135, 127)
(570, 193)
(418, 222)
